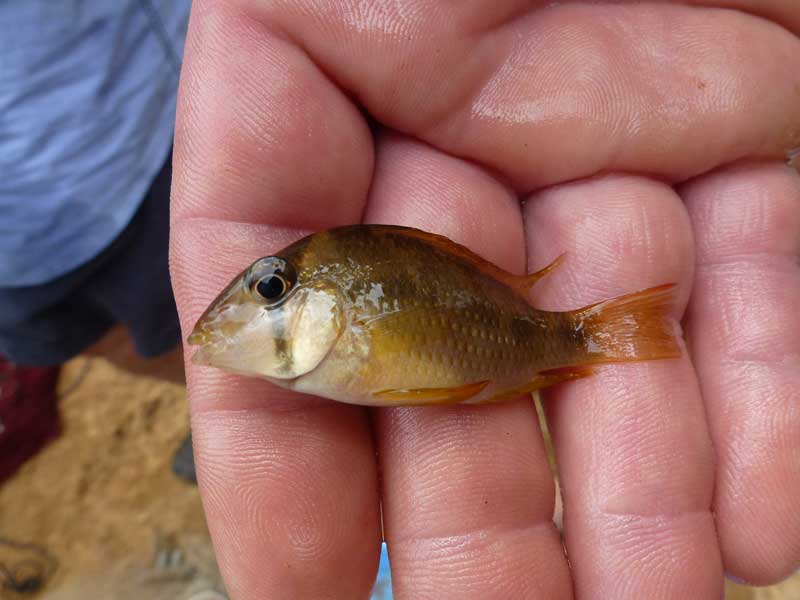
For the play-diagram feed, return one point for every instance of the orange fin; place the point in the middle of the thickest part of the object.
(553, 376)
(523, 283)
(629, 328)
(431, 396)
(542, 380)
(520, 283)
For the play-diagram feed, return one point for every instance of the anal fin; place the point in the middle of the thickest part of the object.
(553, 376)
(542, 380)
(430, 396)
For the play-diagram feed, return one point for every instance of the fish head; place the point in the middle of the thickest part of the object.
(269, 323)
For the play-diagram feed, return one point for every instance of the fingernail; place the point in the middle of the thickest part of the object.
(734, 579)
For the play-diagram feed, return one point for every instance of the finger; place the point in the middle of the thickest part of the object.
(468, 495)
(288, 482)
(635, 461)
(744, 328)
(261, 135)
(784, 12)
(657, 88)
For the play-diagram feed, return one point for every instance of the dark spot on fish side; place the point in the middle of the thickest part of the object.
(525, 331)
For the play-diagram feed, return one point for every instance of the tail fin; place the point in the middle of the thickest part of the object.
(630, 328)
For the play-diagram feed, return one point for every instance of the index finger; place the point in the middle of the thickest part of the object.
(288, 482)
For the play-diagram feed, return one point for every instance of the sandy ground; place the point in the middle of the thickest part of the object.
(108, 518)
(102, 501)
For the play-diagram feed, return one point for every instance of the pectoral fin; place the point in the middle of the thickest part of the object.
(431, 396)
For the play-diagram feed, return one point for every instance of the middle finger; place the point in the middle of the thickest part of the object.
(468, 494)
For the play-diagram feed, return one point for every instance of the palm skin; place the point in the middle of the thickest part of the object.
(647, 141)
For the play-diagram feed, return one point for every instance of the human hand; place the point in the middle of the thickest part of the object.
(672, 471)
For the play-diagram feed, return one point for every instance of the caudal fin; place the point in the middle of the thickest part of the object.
(634, 327)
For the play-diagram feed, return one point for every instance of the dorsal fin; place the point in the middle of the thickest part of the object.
(522, 284)
(525, 282)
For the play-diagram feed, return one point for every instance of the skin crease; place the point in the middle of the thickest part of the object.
(647, 141)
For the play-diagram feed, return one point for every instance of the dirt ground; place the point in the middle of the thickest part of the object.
(102, 517)
(101, 500)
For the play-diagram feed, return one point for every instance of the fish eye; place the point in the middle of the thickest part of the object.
(271, 287)
(270, 279)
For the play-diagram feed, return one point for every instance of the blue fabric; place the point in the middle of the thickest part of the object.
(127, 283)
(87, 108)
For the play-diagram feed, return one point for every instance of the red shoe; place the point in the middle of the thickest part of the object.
(28, 413)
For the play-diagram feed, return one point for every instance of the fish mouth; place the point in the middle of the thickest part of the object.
(206, 342)
(198, 337)
(202, 357)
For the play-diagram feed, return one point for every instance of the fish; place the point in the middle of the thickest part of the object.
(384, 315)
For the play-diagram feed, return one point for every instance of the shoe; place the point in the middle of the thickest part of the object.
(183, 461)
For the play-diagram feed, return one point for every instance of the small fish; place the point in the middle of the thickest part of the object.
(388, 316)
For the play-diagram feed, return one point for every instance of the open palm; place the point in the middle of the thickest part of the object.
(645, 140)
